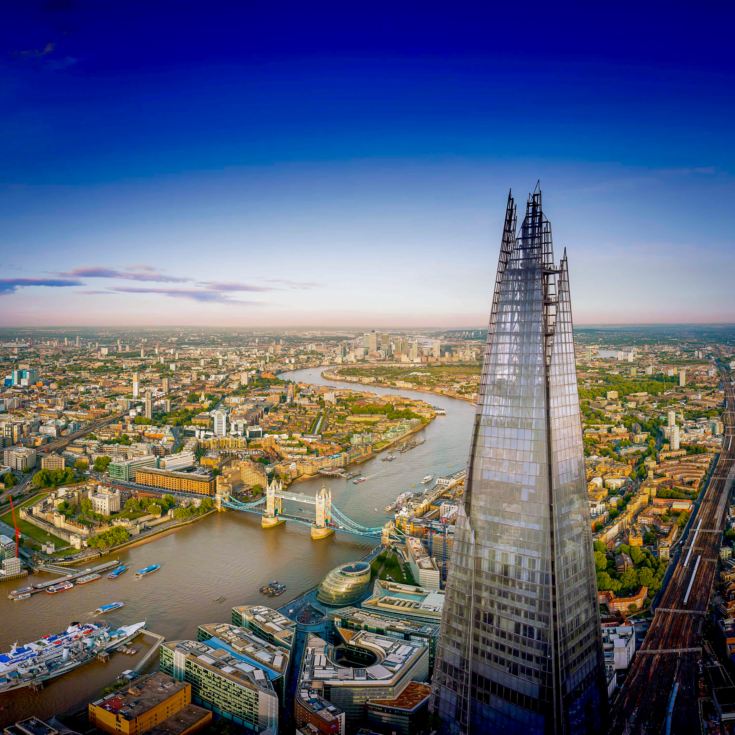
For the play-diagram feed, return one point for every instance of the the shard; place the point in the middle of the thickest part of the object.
(520, 648)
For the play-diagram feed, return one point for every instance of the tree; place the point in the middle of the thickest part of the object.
(600, 561)
(155, 509)
(9, 480)
(102, 463)
(629, 580)
(82, 465)
(85, 507)
(637, 555)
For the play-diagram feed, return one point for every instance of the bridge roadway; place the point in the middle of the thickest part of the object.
(659, 694)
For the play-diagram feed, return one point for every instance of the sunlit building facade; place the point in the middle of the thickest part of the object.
(520, 648)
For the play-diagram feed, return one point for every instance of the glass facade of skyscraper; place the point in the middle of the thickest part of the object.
(520, 648)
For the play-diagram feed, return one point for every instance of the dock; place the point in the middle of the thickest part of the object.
(66, 576)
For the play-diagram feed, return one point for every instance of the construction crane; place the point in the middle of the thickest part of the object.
(15, 524)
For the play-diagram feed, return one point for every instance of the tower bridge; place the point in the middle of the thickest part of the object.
(327, 518)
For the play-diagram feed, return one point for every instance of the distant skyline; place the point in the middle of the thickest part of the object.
(230, 165)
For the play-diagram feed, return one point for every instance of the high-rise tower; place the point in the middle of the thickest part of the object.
(520, 648)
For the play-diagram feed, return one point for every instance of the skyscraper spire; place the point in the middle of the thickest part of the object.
(520, 648)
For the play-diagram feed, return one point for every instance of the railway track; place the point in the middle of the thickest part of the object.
(659, 694)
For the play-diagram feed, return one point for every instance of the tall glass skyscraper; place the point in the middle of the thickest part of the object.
(520, 648)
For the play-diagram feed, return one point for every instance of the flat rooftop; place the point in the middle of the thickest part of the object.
(247, 644)
(394, 657)
(270, 621)
(225, 664)
(183, 720)
(141, 696)
(415, 694)
(372, 619)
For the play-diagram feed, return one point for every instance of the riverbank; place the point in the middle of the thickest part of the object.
(135, 540)
(329, 374)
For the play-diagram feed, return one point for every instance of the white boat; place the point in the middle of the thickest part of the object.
(427, 479)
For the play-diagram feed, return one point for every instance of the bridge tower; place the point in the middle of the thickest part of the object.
(322, 526)
(273, 506)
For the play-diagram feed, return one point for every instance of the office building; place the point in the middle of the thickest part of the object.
(424, 568)
(20, 459)
(266, 623)
(231, 688)
(136, 386)
(405, 601)
(148, 405)
(393, 664)
(246, 646)
(682, 378)
(345, 584)
(125, 469)
(405, 714)
(316, 715)
(147, 702)
(520, 649)
(179, 461)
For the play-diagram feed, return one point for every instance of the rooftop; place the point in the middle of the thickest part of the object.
(393, 657)
(182, 721)
(269, 621)
(244, 643)
(374, 620)
(405, 600)
(409, 699)
(141, 696)
(223, 663)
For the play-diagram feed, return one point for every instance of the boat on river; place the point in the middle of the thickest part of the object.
(53, 655)
(147, 570)
(61, 587)
(117, 571)
(109, 607)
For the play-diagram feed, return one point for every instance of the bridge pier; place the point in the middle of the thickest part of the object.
(321, 528)
(273, 506)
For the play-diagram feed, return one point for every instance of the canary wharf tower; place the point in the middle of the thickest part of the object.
(520, 648)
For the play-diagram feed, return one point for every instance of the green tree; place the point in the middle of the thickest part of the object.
(81, 464)
(629, 580)
(9, 479)
(102, 463)
(155, 509)
(600, 561)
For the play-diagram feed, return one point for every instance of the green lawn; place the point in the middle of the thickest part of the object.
(387, 565)
(28, 529)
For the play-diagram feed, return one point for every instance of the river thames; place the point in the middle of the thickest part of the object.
(226, 555)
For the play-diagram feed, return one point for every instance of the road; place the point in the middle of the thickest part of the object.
(660, 692)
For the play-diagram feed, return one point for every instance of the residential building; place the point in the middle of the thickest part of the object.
(52, 462)
(220, 423)
(520, 649)
(182, 482)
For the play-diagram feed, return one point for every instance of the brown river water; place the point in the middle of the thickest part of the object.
(224, 555)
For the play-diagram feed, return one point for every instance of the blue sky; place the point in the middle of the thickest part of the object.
(254, 164)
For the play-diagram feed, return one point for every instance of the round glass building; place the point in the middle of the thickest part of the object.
(345, 584)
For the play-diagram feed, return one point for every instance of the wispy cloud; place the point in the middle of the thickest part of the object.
(11, 285)
(191, 294)
(296, 285)
(231, 286)
(137, 273)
